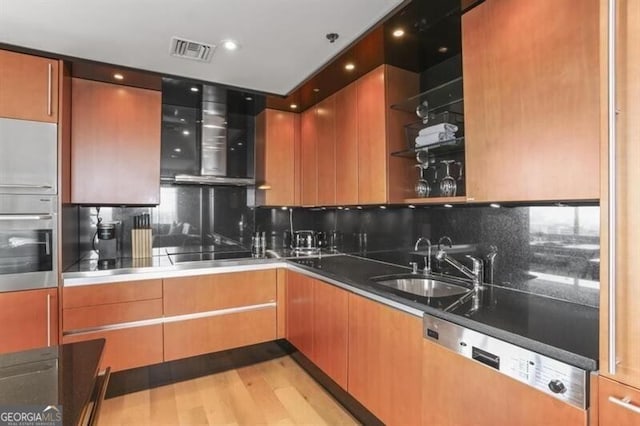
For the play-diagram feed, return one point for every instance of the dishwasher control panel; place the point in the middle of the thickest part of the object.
(553, 377)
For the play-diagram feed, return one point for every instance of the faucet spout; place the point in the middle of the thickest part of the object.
(427, 258)
(475, 274)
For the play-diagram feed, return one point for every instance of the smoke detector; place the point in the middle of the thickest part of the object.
(189, 49)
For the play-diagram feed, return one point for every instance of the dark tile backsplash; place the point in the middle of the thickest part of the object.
(547, 250)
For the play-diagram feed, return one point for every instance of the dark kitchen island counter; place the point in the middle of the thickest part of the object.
(62, 375)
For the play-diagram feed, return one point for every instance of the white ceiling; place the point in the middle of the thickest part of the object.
(282, 41)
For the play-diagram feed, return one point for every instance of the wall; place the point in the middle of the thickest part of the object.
(546, 250)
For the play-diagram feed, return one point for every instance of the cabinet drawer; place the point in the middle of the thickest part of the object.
(102, 294)
(211, 292)
(211, 334)
(128, 347)
(114, 313)
(624, 413)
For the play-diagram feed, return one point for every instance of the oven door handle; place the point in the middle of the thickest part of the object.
(4, 217)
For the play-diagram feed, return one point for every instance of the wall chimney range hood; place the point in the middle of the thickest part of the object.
(205, 139)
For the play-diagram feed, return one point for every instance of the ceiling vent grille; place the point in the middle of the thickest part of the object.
(189, 49)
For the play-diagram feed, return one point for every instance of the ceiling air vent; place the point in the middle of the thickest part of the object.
(190, 49)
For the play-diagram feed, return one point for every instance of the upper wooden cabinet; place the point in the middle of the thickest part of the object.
(309, 158)
(28, 87)
(29, 319)
(532, 100)
(277, 158)
(115, 144)
(619, 327)
(346, 168)
(326, 151)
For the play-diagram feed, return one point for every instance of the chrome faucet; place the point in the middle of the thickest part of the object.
(427, 258)
(476, 274)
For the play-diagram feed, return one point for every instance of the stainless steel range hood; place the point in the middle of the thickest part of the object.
(217, 144)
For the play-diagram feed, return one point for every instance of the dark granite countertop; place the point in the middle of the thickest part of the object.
(59, 375)
(562, 330)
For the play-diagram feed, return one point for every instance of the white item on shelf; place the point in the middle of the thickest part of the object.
(432, 138)
(439, 128)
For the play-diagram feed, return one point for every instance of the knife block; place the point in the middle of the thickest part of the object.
(141, 240)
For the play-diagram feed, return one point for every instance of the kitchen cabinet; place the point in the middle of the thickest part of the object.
(458, 391)
(233, 310)
(326, 151)
(308, 158)
(28, 87)
(619, 299)
(277, 153)
(110, 311)
(317, 317)
(115, 144)
(29, 319)
(532, 100)
(383, 178)
(385, 361)
(619, 405)
(346, 123)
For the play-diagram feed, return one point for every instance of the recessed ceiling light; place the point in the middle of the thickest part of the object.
(194, 89)
(293, 106)
(398, 33)
(340, 207)
(359, 207)
(248, 98)
(230, 44)
(411, 206)
(284, 208)
(349, 67)
(177, 150)
(443, 49)
(448, 206)
(118, 76)
(185, 132)
(383, 207)
(316, 90)
(495, 205)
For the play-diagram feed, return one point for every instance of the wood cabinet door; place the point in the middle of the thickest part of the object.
(532, 100)
(115, 144)
(29, 319)
(385, 361)
(101, 294)
(126, 348)
(330, 337)
(372, 147)
(28, 87)
(618, 405)
(346, 145)
(276, 157)
(627, 209)
(308, 158)
(326, 151)
(299, 313)
(460, 392)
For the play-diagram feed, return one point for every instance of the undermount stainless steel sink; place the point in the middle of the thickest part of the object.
(422, 286)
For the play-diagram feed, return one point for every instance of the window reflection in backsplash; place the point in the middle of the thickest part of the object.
(547, 250)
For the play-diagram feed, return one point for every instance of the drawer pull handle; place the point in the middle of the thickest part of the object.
(625, 403)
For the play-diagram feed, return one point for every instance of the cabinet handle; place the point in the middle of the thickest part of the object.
(48, 319)
(611, 258)
(49, 90)
(625, 403)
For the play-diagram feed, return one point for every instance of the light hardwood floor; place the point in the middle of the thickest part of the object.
(274, 392)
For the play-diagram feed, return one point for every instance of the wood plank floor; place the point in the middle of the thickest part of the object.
(274, 392)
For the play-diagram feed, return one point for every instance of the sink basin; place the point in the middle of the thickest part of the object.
(423, 286)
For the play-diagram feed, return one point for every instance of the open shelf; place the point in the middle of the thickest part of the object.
(440, 148)
(438, 98)
(437, 200)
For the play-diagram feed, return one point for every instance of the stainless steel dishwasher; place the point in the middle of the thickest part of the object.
(550, 376)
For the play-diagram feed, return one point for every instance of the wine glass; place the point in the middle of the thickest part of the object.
(422, 187)
(448, 185)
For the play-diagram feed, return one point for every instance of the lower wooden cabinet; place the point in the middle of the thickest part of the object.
(187, 338)
(385, 361)
(127, 347)
(299, 312)
(29, 319)
(460, 392)
(618, 405)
